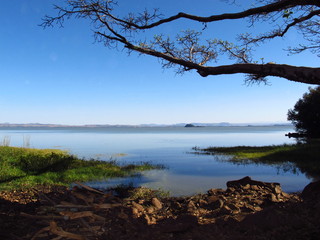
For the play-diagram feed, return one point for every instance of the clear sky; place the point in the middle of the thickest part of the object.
(59, 75)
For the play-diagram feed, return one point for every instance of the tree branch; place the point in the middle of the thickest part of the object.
(281, 33)
(188, 51)
(306, 75)
(277, 6)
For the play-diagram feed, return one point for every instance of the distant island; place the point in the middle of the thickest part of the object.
(191, 125)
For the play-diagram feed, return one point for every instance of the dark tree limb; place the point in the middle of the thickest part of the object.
(276, 6)
(188, 52)
(306, 75)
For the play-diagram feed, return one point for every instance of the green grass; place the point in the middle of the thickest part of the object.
(306, 156)
(22, 168)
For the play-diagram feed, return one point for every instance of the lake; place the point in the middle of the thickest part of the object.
(185, 173)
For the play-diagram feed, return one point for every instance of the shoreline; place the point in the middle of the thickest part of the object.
(247, 209)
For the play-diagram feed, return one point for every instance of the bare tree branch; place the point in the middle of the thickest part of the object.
(263, 10)
(188, 51)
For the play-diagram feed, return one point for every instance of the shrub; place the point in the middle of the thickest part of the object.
(32, 163)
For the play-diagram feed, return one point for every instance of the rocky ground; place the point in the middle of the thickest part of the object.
(247, 209)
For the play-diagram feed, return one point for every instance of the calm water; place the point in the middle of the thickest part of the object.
(186, 173)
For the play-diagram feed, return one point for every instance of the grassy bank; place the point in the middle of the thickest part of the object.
(306, 156)
(25, 168)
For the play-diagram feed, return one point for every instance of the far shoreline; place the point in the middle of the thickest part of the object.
(178, 125)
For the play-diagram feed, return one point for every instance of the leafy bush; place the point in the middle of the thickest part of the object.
(306, 113)
(36, 163)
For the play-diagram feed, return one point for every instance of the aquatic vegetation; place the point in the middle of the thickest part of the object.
(305, 156)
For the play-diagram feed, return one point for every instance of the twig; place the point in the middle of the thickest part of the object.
(89, 188)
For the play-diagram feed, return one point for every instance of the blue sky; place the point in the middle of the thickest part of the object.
(59, 75)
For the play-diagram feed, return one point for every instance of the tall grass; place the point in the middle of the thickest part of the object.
(6, 141)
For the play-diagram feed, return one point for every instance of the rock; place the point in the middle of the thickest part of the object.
(243, 182)
(231, 189)
(257, 208)
(233, 207)
(139, 207)
(247, 198)
(215, 202)
(147, 218)
(272, 197)
(255, 187)
(225, 210)
(212, 199)
(176, 205)
(135, 211)
(277, 189)
(191, 206)
(203, 202)
(156, 203)
(285, 195)
(150, 210)
(247, 209)
(215, 191)
(258, 201)
(311, 191)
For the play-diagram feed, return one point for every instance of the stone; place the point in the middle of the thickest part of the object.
(247, 208)
(139, 207)
(231, 189)
(239, 183)
(243, 182)
(135, 211)
(257, 208)
(246, 187)
(255, 187)
(212, 199)
(217, 204)
(225, 210)
(156, 203)
(311, 191)
(258, 201)
(233, 207)
(272, 197)
(150, 210)
(191, 205)
(286, 195)
(215, 191)
(147, 218)
(277, 189)
(203, 202)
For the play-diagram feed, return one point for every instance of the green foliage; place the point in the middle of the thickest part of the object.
(147, 193)
(33, 163)
(247, 152)
(306, 113)
(24, 168)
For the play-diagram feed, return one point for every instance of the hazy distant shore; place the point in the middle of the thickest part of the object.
(222, 124)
